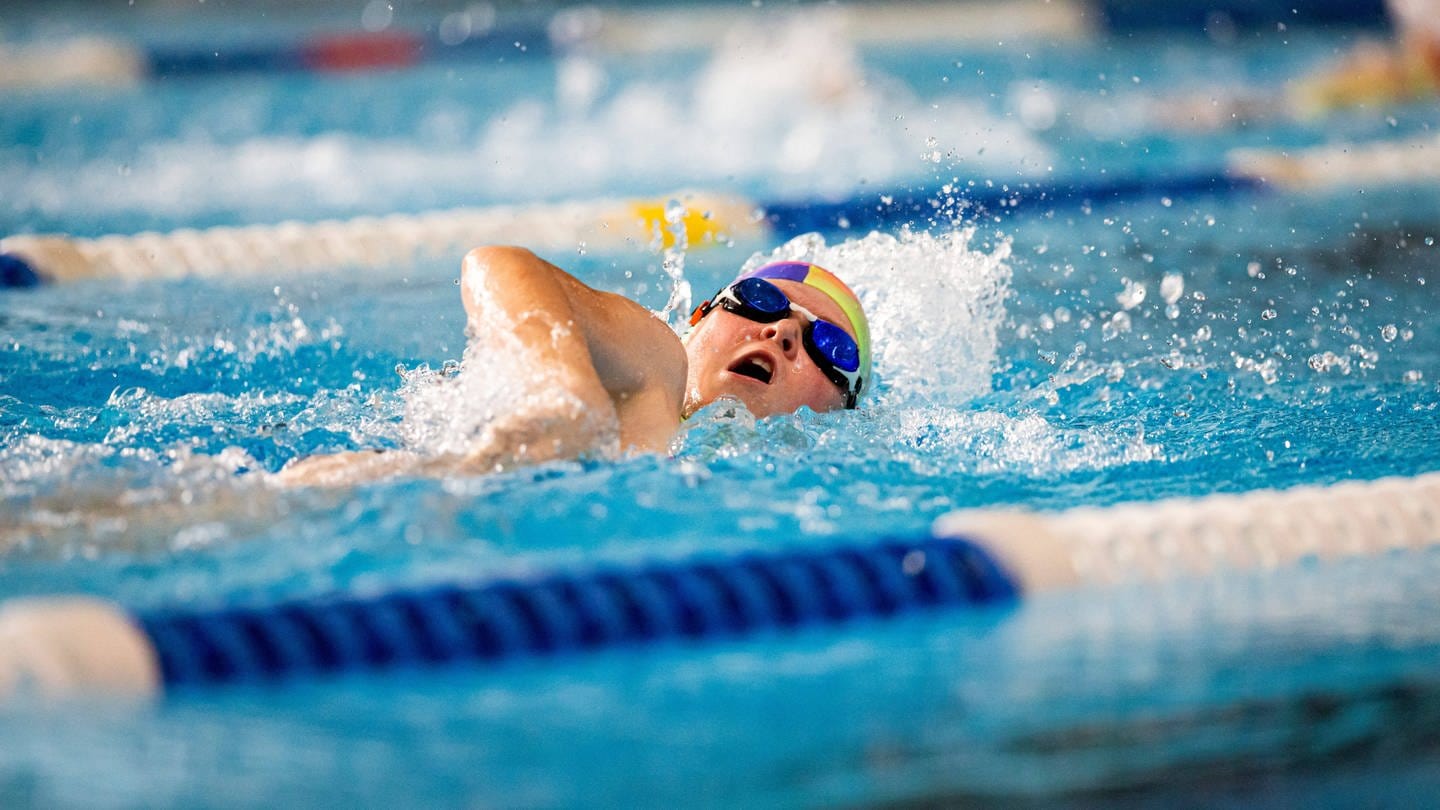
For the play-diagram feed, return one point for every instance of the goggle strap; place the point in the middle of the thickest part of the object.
(700, 312)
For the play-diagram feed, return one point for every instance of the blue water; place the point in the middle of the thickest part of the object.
(137, 422)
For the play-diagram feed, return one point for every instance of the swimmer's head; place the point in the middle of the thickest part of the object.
(783, 336)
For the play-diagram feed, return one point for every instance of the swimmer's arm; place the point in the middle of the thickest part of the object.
(615, 366)
(604, 349)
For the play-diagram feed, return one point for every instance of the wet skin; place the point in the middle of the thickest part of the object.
(614, 369)
(764, 365)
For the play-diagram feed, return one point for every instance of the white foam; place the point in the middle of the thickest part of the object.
(935, 304)
(985, 442)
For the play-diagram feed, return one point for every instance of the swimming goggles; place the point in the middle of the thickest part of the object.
(835, 353)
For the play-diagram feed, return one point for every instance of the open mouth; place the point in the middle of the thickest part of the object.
(757, 368)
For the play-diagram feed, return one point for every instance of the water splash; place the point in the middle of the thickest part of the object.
(672, 263)
(935, 304)
(927, 442)
(497, 404)
(776, 108)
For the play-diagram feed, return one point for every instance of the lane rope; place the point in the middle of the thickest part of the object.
(371, 242)
(601, 225)
(1184, 537)
(973, 559)
(564, 613)
(475, 37)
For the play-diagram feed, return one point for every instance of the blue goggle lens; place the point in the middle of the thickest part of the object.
(837, 346)
(762, 296)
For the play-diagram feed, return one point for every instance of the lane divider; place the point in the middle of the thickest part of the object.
(106, 61)
(373, 242)
(982, 23)
(477, 38)
(973, 560)
(1413, 161)
(606, 225)
(692, 600)
(921, 209)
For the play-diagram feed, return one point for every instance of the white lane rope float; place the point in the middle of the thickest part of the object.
(397, 240)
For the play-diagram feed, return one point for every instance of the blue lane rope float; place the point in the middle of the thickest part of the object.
(555, 614)
(917, 207)
(16, 272)
(1128, 16)
(347, 52)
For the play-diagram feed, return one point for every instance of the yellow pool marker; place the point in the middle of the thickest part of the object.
(605, 225)
(701, 227)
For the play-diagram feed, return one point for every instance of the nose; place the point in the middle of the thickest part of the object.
(785, 332)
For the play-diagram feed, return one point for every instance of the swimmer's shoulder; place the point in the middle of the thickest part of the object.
(631, 347)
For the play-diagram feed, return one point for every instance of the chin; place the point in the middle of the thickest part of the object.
(757, 406)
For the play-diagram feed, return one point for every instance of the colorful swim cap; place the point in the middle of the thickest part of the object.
(826, 282)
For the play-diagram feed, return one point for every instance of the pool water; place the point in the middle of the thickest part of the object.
(1134, 350)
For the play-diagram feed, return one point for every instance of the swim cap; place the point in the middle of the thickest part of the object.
(825, 281)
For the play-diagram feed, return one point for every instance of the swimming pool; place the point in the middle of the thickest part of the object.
(1136, 350)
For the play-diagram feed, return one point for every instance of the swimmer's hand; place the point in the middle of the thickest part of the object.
(343, 469)
(558, 427)
(540, 432)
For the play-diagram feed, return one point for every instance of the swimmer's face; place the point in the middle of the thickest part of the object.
(764, 365)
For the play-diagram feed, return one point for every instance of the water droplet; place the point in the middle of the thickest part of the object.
(1118, 324)
(1133, 294)
(1413, 376)
(1172, 286)
(377, 16)
(1389, 332)
(1269, 315)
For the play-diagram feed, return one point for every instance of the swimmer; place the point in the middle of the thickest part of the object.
(1373, 73)
(1376, 73)
(613, 377)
